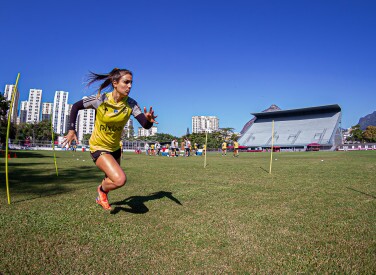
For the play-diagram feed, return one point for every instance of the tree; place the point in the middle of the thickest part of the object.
(128, 132)
(234, 137)
(356, 134)
(214, 139)
(370, 134)
(162, 137)
(226, 133)
(85, 139)
(24, 132)
(131, 131)
(4, 107)
(38, 133)
(44, 131)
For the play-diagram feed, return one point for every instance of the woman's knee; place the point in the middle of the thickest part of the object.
(120, 180)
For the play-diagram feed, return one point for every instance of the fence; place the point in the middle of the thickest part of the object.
(43, 144)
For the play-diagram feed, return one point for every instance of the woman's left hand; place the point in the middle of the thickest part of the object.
(150, 115)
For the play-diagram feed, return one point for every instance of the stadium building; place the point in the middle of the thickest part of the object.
(295, 130)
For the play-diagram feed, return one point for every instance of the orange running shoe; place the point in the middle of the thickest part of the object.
(102, 199)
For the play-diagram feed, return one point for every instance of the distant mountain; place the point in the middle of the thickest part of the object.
(272, 108)
(368, 120)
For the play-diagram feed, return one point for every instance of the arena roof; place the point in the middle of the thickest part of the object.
(301, 111)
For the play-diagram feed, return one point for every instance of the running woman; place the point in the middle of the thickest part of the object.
(113, 110)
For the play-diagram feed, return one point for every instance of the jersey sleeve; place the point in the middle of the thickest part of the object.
(138, 114)
(136, 110)
(91, 102)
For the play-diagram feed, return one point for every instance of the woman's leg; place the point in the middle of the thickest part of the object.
(115, 176)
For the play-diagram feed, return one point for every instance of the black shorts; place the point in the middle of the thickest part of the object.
(95, 155)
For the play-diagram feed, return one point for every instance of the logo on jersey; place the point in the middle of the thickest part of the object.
(110, 128)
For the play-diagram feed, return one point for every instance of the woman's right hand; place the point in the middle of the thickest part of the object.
(69, 138)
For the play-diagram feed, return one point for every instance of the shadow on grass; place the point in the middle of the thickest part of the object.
(137, 203)
(24, 154)
(35, 178)
(51, 192)
(264, 170)
(369, 195)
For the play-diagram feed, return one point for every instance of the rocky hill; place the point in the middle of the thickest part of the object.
(368, 120)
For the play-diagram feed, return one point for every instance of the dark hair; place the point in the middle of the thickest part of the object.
(114, 75)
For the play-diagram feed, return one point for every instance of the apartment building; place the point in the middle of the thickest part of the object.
(147, 132)
(47, 110)
(59, 114)
(33, 106)
(23, 111)
(85, 123)
(9, 89)
(201, 124)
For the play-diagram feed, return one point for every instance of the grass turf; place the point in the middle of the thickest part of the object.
(316, 213)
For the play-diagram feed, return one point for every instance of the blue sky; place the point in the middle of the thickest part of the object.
(221, 58)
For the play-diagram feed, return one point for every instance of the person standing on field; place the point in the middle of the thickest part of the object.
(224, 148)
(113, 110)
(187, 148)
(195, 148)
(236, 148)
(121, 148)
(147, 148)
(182, 146)
(176, 148)
(158, 148)
(152, 150)
(172, 148)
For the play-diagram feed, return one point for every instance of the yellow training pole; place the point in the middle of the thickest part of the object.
(7, 138)
(53, 147)
(206, 146)
(271, 151)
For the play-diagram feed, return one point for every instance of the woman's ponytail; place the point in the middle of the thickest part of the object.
(114, 75)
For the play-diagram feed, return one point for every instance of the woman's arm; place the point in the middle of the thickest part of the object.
(79, 105)
(147, 119)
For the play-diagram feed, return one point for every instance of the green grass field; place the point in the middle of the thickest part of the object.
(316, 213)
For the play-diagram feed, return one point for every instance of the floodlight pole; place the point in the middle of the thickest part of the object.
(206, 142)
(53, 146)
(271, 151)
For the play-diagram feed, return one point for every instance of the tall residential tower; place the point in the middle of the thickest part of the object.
(201, 124)
(47, 110)
(59, 113)
(85, 124)
(23, 111)
(8, 96)
(33, 106)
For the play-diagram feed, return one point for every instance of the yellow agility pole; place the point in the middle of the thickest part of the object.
(271, 151)
(206, 146)
(7, 138)
(53, 146)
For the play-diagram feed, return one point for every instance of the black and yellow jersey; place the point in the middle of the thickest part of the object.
(110, 119)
